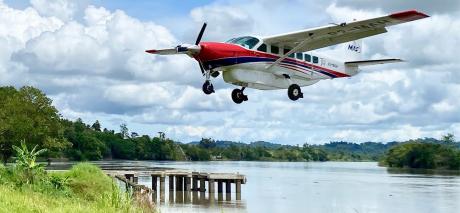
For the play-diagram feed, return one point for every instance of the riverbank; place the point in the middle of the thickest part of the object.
(84, 188)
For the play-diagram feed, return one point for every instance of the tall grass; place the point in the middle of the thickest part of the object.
(84, 188)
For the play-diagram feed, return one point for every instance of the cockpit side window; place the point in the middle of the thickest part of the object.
(275, 49)
(247, 42)
(262, 48)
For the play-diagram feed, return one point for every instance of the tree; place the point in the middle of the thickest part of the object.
(124, 131)
(27, 114)
(96, 126)
(449, 138)
(207, 143)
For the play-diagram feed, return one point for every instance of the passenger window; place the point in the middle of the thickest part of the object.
(275, 50)
(315, 59)
(299, 56)
(307, 57)
(262, 48)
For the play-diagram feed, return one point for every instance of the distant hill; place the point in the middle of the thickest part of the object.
(226, 144)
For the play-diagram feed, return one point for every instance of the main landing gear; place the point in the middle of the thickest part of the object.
(294, 92)
(238, 96)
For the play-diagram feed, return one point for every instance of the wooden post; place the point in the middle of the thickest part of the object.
(202, 185)
(171, 182)
(130, 177)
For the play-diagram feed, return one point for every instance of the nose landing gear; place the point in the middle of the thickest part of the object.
(238, 96)
(208, 88)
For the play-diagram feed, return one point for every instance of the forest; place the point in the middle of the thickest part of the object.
(27, 115)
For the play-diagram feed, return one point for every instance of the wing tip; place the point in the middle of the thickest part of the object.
(409, 15)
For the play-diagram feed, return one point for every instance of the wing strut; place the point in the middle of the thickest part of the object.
(300, 45)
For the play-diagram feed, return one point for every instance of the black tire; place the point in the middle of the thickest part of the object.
(208, 88)
(294, 92)
(237, 96)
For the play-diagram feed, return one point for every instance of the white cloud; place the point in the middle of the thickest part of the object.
(91, 61)
(62, 9)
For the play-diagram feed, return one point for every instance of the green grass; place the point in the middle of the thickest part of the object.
(84, 188)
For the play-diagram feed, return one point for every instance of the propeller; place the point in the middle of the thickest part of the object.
(200, 35)
(188, 49)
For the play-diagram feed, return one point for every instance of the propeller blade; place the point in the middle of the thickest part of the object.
(200, 35)
(171, 51)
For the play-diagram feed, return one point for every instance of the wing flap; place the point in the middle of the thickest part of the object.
(372, 62)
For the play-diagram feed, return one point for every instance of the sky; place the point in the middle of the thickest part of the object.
(88, 56)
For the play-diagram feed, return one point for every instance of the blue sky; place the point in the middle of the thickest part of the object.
(88, 57)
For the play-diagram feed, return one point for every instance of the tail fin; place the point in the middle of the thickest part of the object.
(354, 50)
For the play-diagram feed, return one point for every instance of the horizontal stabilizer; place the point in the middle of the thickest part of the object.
(372, 62)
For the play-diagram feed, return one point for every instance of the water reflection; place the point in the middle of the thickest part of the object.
(182, 199)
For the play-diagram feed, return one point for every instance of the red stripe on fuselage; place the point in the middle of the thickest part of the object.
(215, 50)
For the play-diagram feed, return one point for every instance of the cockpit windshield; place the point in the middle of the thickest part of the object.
(247, 41)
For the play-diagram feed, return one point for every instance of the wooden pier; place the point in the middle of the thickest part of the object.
(185, 182)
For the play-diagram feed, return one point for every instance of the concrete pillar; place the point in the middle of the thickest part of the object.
(220, 189)
(162, 188)
(154, 183)
(238, 189)
(188, 184)
(171, 182)
(195, 183)
(202, 185)
(179, 183)
(228, 187)
(211, 186)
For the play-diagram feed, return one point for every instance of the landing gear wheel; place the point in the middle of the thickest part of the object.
(238, 96)
(294, 92)
(208, 88)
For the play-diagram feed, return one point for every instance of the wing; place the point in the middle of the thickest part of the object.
(320, 37)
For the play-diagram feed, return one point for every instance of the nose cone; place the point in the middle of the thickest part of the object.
(216, 50)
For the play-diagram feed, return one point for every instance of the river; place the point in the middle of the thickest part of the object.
(319, 187)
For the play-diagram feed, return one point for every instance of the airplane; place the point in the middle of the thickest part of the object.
(284, 61)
